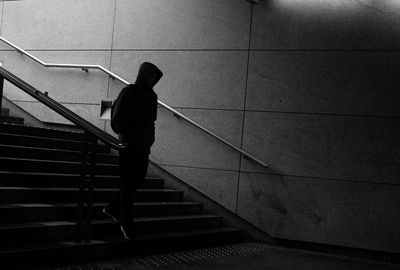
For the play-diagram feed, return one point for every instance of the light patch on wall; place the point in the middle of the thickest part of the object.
(342, 5)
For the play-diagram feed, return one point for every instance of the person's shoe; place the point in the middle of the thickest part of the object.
(111, 214)
(128, 231)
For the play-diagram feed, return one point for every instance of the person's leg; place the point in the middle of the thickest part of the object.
(128, 168)
(139, 164)
(112, 209)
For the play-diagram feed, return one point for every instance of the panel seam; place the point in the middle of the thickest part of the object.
(244, 106)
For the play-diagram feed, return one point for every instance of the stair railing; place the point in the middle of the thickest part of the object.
(91, 136)
(114, 76)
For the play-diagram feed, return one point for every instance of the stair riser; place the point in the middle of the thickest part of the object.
(38, 142)
(40, 132)
(67, 232)
(11, 120)
(53, 167)
(158, 226)
(54, 196)
(38, 214)
(56, 155)
(22, 236)
(56, 257)
(69, 181)
(5, 112)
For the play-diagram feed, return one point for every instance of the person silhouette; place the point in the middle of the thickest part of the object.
(133, 116)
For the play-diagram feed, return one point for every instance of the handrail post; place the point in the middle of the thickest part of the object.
(1, 91)
(80, 228)
(90, 186)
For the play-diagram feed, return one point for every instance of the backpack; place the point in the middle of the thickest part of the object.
(115, 121)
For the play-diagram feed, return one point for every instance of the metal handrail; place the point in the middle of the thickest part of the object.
(114, 76)
(60, 109)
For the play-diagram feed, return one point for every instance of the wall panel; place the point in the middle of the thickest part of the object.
(316, 210)
(196, 79)
(59, 24)
(335, 147)
(326, 25)
(182, 24)
(181, 144)
(219, 185)
(361, 83)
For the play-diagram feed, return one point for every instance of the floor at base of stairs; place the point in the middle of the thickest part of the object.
(246, 256)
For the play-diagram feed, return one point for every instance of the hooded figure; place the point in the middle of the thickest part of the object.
(135, 109)
(132, 116)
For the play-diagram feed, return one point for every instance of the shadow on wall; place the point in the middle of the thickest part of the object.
(323, 24)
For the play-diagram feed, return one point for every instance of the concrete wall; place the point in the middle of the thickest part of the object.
(308, 86)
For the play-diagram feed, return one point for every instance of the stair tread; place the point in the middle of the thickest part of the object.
(67, 174)
(39, 137)
(159, 218)
(52, 149)
(75, 189)
(96, 189)
(27, 126)
(38, 205)
(118, 240)
(38, 224)
(10, 117)
(54, 161)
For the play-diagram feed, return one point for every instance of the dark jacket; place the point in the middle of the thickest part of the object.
(136, 110)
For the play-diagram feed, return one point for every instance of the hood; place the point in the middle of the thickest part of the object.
(148, 75)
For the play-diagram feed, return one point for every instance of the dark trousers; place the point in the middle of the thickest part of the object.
(133, 166)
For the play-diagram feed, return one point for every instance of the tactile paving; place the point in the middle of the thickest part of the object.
(162, 260)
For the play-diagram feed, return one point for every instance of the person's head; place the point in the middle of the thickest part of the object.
(148, 75)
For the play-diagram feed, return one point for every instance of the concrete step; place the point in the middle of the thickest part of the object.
(45, 231)
(37, 256)
(31, 179)
(41, 132)
(34, 212)
(11, 120)
(52, 154)
(44, 142)
(12, 195)
(50, 166)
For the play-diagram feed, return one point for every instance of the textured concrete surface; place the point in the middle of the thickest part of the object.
(316, 25)
(57, 24)
(336, 82)
(342, 213)
(219, 185)
(194, 79)
(225, 123)
(325, 146)
(181, 144)
(247, 256)
(182, 24)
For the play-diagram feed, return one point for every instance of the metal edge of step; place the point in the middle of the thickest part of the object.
(98, 222)
(54, 161)
(47, 130)
(52, 149)
(53, 139)
(97, 204)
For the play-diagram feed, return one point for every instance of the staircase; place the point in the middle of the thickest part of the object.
(39, 180)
